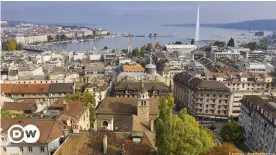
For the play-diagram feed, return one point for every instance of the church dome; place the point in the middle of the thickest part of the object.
(150, 66)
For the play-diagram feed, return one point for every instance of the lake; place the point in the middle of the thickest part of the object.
(180, 34)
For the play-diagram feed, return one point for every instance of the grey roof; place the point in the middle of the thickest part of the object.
(58, 70)
(197, 83)
(150, 66)
(61, 88)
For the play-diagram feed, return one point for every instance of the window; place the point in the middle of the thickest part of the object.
(4, 149)
(207, 95)
(30, 149)
(3, 139)
(42, 149)
(21, 149)
(105, 124)
(214, 95)
(207, 100)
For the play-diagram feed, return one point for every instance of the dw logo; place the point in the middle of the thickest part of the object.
(29, 134)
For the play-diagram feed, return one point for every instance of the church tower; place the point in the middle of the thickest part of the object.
(143, 104)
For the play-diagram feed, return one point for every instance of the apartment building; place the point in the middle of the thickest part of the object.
(42, 91)
(241, 84)
(258, 118)
(206, 100)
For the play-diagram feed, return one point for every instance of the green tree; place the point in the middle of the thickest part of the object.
(135, 52)
(50, 38)
(58, 38)
(252, 46)
(124, 50)
(180, 134)
(149, 46)
(142, 51)
(231, 43)
(19, 47)
(5, 45)
(233, 133)
(192, 42)
(87, 99)
(63, 37)
(219, 43)
(14, 115)
(178, 43)
(105, 47)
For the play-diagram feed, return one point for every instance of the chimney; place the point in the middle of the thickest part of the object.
(152, 125)
(66, 104)
(105, 144)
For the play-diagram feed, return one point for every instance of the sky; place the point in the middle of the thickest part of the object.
(136, 13)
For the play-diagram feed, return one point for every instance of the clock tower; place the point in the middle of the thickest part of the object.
(143, 104)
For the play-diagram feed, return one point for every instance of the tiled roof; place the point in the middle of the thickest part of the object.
(92, 143)
(31, 88)
(61, 88)
(19, 106)
(135, 85)
(127, 105)
(49, 129)
(132, 68)
(7, 88)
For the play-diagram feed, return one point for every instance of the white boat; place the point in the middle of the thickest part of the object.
(75, 41)
(81, 40)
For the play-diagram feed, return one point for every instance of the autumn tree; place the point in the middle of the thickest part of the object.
(180, 134)
(157, 45)
(50, 38)
(149, 46)
(87, 99)
(63, 37)
(224, 149)
(233, 133)
(231, 43)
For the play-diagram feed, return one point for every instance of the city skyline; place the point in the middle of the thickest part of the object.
(138, 13)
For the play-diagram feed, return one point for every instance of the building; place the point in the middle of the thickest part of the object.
(41, 91)
(205, 100)
(94, 69)
(258, 118)
(132, 68)
(217, 54)
(130, 88)
(240, 84)
(127, 113)
(51, 136)
(128, 143)
(251, 55)
(184, 50)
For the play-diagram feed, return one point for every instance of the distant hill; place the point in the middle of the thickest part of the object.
(267, 24)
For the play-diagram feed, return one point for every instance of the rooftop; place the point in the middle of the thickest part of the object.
(92, 143)
(181, 46)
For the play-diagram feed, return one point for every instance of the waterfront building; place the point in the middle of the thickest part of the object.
(183, 50)
(258, 118)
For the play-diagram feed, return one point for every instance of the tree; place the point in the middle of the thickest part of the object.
(178, 43)
(219, 43)
(105, 48)
(142, 51)
(135, 52)
(124, 50)
(157, 45)
(11, 44)
(149, 46)
(63, 37)
(231, 43)
(14, 115)
(19, 47)
(252, 46)
(50, 38)
(192, 42)
(233, 133)
(58, 37)
(180, 134)
(87, 99)
(224, 149)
